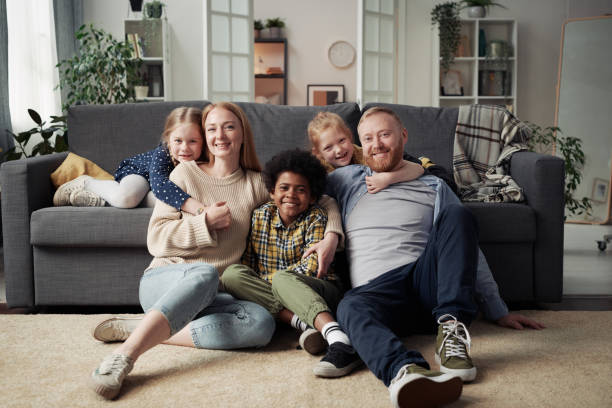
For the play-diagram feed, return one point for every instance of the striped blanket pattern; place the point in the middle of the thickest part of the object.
(485, 139)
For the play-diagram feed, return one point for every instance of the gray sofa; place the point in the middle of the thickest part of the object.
(95, 256)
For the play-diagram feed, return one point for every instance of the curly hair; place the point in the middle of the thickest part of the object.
(300, 162)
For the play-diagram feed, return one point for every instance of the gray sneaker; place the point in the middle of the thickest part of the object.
(312, 341)
(115, 329)
(415, 386)
(106, 380)
(85, 198)
(453, 348)
(62, 195)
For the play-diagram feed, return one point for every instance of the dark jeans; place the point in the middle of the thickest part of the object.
(411, 298)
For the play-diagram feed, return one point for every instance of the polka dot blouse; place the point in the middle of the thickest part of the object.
(156, 167)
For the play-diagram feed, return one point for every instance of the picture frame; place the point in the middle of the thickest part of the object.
(451, 83)
(322, 95)
(600, 190)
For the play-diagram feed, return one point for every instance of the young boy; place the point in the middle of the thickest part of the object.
(332, 143)
(273, 273)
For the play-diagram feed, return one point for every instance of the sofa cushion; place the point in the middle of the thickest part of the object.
(504, 222)
(431, 131)
(90, 227)
(280, 127)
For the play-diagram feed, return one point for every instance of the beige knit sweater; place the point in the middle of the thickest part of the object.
(179, 237)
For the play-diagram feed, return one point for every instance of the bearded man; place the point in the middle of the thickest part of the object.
(414, 265)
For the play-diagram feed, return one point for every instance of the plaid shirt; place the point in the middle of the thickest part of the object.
(273, 247)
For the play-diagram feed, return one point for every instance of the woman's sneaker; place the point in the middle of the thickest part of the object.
(312, 341)
(106, 380)
(62, 195)
(116, 329)
(415, 386)
(85, 198)
(453, 348)
(340, 360)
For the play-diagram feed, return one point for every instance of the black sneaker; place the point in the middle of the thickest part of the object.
(340, 360)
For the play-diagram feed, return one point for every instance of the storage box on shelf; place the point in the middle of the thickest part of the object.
(485, 67)
(149, 39)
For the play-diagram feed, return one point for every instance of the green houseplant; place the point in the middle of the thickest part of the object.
(153, 9)
(103, 70)
(446, 16)
(570, 149)
(257, 27)
(274, 25)
(56, 127)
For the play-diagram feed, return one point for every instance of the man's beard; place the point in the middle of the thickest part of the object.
(384, 165)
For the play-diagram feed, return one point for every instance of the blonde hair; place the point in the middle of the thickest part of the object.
(380, 109)
(179, 117)
(323, 121)
(248, 156)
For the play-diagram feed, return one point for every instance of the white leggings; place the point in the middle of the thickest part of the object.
(127, 193)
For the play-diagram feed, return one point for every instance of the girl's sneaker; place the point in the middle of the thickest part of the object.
(106, 380)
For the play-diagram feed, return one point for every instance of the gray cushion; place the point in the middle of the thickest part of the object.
(90, 227)
(431, 131)
(504, 222)
(279, 127)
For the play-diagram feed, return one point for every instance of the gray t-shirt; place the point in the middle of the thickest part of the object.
(388, 229)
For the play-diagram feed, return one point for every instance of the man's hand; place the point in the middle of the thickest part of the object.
(325, 249)
(218, 216)
(519, 322)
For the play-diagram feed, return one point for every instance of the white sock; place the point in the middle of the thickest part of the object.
(297, 323)
(333, 333)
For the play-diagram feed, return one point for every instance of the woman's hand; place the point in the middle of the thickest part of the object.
(218, 216)
(325, 249)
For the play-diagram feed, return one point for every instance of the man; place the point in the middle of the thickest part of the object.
(414, 261)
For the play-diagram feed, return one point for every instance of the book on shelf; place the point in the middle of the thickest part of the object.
(274, 70)
(136, 44)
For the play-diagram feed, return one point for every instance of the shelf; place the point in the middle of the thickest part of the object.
(270, 76)
(269, 53)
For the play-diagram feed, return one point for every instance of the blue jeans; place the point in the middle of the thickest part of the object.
(411, 298)
(186, 293)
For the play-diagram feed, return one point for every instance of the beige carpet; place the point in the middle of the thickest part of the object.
(45, 361)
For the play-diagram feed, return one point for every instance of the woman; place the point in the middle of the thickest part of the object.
(178, 291)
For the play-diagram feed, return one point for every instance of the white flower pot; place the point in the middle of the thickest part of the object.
(476, 12)
(141, 92)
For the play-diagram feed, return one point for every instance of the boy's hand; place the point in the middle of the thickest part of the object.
(218, 216)
(377, 182)
(519, 322)
(325, 249)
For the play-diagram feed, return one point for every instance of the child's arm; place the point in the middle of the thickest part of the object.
(165, 190)
(407, 172)
(309, 265)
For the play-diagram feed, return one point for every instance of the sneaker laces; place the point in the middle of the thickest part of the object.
(454, 343)
(115, 364)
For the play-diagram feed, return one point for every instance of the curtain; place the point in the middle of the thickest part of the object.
(68, 17)
(6, 142)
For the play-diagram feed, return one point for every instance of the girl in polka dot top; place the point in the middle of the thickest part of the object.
(182, 140)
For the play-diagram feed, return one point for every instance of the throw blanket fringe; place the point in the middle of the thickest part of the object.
(485, 139)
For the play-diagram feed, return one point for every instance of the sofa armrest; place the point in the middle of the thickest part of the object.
(26, 187)
(542, 178)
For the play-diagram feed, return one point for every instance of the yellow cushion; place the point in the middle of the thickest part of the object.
(75, 166)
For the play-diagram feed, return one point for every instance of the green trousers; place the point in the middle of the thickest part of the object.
(303, 295)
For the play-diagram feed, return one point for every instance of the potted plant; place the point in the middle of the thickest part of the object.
(446, 17)
(570, 149)
(56, 128)
(102, 71)
(257, 27)
(136, 5)
(479, 8)
(153, 9)
(141, 88)
(275, 25)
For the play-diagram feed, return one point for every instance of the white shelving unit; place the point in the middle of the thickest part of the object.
(485, 77)
(155, 47)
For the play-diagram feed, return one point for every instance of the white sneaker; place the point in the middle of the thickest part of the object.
(415, 386)
(85, 198)
(106, 380)
(115, 329)
(62, 195)
(312, 341)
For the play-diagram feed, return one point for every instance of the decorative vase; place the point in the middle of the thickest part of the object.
(153, 10)
(256, 34)
(476, 12)
(136, 5)
(275, 32)
(141, 91)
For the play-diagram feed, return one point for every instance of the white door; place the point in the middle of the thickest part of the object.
(377, 74)
(228, 53)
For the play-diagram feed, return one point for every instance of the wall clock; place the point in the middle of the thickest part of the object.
(341, 54)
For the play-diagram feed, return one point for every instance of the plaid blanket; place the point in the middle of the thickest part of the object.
(485, 139)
